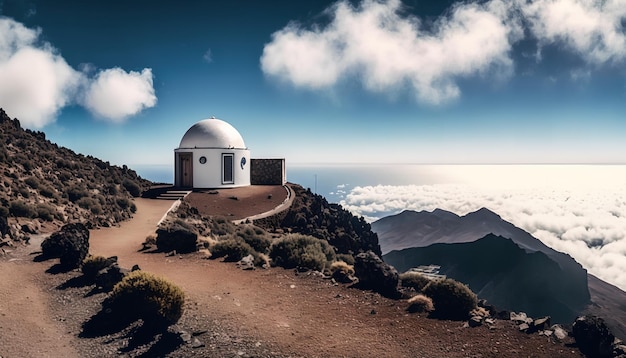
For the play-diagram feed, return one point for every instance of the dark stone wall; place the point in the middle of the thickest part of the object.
(267, 171)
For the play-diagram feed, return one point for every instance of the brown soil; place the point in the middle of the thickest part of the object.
(237, 203)
(262, 313)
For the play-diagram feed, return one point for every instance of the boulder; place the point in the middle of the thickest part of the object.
(593, 337)
(246, 263)
(540, 324)
(475, 321)
(559, 333)
(177, 236)
(70, 244)
(376, 275)
(110, 276)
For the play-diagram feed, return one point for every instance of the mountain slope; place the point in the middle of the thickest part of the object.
(576, 287)
(497, 269)
(44, 183)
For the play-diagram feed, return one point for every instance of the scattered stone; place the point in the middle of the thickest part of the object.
(519, 317)
(134, 268)
(523, 327)
(559, 333)
(246, 263)
(490, 321)
(593, 337)
(185, 336)
(373, 311)
(196, 343)
(475, 321)
(171, 253)
(540, 324)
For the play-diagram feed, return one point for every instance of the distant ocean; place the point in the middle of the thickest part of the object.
(577, 209)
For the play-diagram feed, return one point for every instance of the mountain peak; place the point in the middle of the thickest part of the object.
(483, 213)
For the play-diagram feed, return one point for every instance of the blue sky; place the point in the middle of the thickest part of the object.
(500, 81)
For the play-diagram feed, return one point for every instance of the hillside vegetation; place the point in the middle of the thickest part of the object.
(44, 183)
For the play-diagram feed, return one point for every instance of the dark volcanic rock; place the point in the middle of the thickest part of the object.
(177, 236)
(110, 276)
(70, 244)
(593, 337)
(376, 275)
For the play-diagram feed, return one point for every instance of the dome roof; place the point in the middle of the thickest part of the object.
(212, 133)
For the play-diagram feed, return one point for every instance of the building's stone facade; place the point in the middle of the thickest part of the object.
(267, 172)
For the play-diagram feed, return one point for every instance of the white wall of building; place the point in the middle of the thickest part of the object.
(210, 173)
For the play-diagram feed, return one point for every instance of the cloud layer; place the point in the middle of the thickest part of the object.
(36, 82)
(388, 49)
(589, 223)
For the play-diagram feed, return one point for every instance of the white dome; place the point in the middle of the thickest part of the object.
(212, 133)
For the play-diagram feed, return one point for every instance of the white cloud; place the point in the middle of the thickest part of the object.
(208, 56)
(588, 223)
(116, 94)
(593, 29)
(388, 50)
(36, 82)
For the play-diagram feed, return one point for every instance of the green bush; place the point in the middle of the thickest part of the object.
(19, 208)
(75, 192)
(234, 249)
(133, 188)
(47, 191)
(414, 279)
(297, 250)
(221, 226)
(452, 299)
(256, 237)
(141, 295)
(92, 264)
(32, 182)
(420, 303)
(347, 258)
(46, 211)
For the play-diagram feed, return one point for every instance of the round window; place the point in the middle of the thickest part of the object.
(202, 160)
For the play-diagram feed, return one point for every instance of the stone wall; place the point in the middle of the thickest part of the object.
(267, 172)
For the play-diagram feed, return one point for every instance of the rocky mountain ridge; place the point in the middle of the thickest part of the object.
(501, 262)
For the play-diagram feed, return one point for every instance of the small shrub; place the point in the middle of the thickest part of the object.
(141, 295)
(347, 258)
(32, 182)
(46, 211)
(452, 299)
(232, 248)
(47, 191)
(24, 192)
(414, 279)
(420, 303)
(221, 226)
(75, 192)
(177, 235)
(19, 208)
(297, 250)
(92, 264)
(123, 203)
(256, 237)
(133, 188)
(342, 267)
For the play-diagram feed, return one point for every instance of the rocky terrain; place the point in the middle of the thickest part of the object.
(44, 185)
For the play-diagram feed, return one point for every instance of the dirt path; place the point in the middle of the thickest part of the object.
(27, 327)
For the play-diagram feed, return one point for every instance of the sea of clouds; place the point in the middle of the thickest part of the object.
(579, 210)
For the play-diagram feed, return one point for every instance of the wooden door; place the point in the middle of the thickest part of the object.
(186, 170)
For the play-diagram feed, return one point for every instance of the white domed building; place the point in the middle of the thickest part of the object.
(212, 154)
